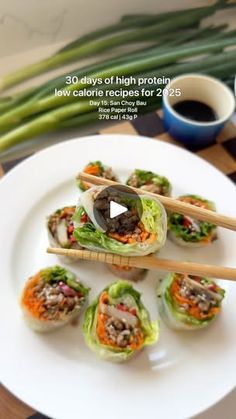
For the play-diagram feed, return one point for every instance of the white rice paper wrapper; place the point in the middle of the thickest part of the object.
(44, 326)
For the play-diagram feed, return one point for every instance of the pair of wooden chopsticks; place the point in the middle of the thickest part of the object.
(152, 262)
(149, 262)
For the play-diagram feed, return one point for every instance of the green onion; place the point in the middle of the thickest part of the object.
(59, 82)
(131, 67)
(171, 40)
(94, 46)
(79, 113)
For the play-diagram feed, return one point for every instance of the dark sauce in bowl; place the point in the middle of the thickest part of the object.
(195, 110)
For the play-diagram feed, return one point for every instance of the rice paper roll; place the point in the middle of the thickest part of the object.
(149, 181)
(127, 272)
(96, 168)
(189, 232)
(52, 298)
(117, 325)
(131, 235)
(60, 230)
(189, 302)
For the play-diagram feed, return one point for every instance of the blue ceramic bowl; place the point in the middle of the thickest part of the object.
(208, 90)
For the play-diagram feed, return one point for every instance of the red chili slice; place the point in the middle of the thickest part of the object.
(186, 223)
(72, 239)
(212, 287)
(122, 307)
(70, 229)
(84, 218)
(133, 311)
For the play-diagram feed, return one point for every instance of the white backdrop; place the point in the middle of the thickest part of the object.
(26, 24)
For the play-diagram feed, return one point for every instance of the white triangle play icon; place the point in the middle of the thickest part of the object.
(116, 209)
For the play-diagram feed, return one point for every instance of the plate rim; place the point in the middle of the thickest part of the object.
(61, 144)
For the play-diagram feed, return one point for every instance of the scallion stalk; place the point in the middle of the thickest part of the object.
(131, 67)
(96, 46)
(59, 82)
(67, 115)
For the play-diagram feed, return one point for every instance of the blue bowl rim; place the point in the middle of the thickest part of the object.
(191, 122)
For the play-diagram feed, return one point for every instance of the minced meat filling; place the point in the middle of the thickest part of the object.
(126, 222)
(200, 300)
(56, 300)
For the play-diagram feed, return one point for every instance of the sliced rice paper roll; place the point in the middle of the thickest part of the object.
(96, 168)
(189, 232)
(127, 272)
(149, 181)
(60, 230)
(131, 235)
(52, 298)
(117, 325)
(189, 302)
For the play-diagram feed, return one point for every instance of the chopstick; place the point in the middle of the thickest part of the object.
(171, 204)
(149, 262)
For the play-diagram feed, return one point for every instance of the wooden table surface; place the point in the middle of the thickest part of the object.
(222, 154)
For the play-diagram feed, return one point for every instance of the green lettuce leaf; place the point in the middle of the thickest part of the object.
(152, 215)
(88, 236)
(58, 273)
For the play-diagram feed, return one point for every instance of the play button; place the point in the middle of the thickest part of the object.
(116, 209)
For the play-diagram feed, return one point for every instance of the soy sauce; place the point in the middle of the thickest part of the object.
(195, 110)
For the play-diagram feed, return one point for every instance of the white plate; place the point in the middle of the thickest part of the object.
(180, 376)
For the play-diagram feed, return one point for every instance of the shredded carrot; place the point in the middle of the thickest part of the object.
(175, 287)
(101, 331)
(29, 299)
(121, 238)
(129, 238)
(103, 298)
(139, 342)
(182, 300)
(195, 312)
(214, 310)
(144, 236)
(92, 170)
(152, 238)
(208, 239)
(67, 211)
